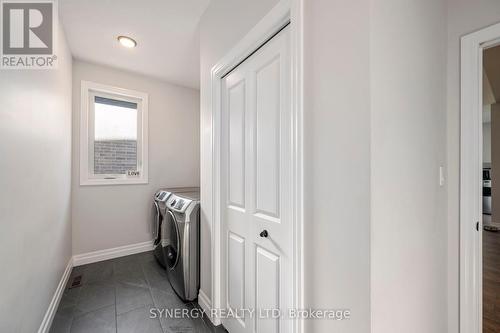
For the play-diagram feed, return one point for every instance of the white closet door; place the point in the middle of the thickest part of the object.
(256, 178)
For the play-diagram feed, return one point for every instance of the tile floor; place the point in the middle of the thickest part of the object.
(117, 295)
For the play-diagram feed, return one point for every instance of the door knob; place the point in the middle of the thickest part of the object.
(264, 233)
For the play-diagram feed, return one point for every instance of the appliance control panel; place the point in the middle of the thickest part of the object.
(162, 196)
(178, 204)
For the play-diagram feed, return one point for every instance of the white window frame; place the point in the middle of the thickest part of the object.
(87, 177)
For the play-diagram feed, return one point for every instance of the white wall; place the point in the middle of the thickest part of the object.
(375, 136)
(487, 134)
(486, 142)
(337, 162)
(35, 188)
(408, 93)
(337, 127)
(110, 216)
(224, 23)
(464, 16)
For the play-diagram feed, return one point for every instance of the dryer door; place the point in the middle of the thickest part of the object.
(172, 250)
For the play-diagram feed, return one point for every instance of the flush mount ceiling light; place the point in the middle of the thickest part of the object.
(127, 42)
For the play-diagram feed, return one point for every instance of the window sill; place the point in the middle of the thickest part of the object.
(119, 181)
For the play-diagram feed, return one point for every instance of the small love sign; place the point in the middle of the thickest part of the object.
(133, 173)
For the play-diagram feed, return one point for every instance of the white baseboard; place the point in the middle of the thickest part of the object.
(206, 305)
(82, 259)
(54, 303)
(121, 251)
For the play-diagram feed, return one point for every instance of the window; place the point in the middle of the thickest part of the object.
(113, 140)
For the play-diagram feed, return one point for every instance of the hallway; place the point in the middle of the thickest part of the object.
(491, 281)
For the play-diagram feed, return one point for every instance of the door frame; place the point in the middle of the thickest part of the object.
(471, 136)
(285, 12)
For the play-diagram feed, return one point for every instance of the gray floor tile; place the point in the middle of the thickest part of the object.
(66, 310)
(98, 272)
(200, 326)
(94, 296)
(146, 257)
(156, 276)
(69, 312)
(129, 266)
(130, 297)
(168, 300)
(184, 325)
(72, 294)
(118, 294)
(153, 269)
(138, 321)
(219, 329)
(77, 270)
(208, 324)
(133, 279)
(67, 306)
(99, 321)
(61, 324)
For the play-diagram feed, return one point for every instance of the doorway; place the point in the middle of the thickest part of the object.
(258, 83)
(491, 190)
(255, 189)
(479, 191)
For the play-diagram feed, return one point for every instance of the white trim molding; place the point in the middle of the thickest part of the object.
(297, 54)
(116, 252)
(88, 258)
(87, 177)
(205, 304)
(54, 303)
(285, 12)
(472, 47)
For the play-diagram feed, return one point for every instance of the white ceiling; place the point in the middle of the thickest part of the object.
(166, 32)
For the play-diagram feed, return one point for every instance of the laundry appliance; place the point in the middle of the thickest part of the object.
(182, 250)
